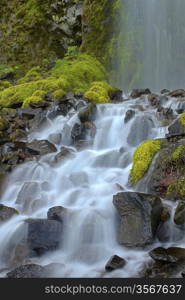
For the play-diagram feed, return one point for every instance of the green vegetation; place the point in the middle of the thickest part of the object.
(176, 155)
(74, 74)
(99, 92)
(177, 188)
(182, 119)
(3, 124)
(142, 158)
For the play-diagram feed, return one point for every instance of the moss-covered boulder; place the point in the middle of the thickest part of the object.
(142, 159)
(178, 126)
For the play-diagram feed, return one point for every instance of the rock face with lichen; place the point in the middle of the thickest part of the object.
(38, 30)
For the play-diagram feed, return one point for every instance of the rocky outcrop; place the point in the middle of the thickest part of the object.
(140, 216)
(179, 217)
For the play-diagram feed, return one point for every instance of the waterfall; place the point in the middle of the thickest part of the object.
(151, 45)
(84, 184)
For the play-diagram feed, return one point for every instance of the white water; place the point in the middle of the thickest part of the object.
(85, 185)
(152, 44)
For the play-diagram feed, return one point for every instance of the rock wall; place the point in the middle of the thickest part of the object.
(32, 31)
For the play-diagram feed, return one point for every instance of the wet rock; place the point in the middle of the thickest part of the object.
(64, 154)
(165, 214)
(179, 217)
(83, 132)
(115, 262)
(170, 255)
(7, 213)
(177, 93)
(27, 271)
(28, 113)
(140, 130)
(139, 218)
(176, 129)
(57, 213)
(43, 235)
(129, 115)
(88, 113)
(153, 99)
(163, 233)
(165, 112)
(136, 93)
(41, 147)
(55, 138)
(165, 91)
(116, 96)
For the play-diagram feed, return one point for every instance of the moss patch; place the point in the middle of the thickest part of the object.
(142, 158)
(177, 188)
(74, 74)
(99, 92)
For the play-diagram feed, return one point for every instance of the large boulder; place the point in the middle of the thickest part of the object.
(43, 235)
(139, 218)
(57, 213)
(136, 93)
(176, 128)
(7, 212)
(170, 255)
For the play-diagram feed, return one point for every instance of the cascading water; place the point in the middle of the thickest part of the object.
(84, 184)
(151, 44)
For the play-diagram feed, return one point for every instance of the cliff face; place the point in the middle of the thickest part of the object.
(32, 30)
(101, 29)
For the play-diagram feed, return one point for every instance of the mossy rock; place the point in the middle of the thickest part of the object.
(99, 92)
(142, 159)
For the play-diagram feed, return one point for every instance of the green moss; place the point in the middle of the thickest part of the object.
(99, 92)
(73, 75)
(102, 18)
(58, 94)
(4, 84)
(176, 155)
(182, 119)
(142, 158)
(32, 75)
(177, 188)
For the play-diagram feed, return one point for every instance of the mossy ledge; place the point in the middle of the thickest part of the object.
(177, 188)
(80, 73)
(143, 157)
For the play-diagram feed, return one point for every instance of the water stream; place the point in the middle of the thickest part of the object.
(85, 185)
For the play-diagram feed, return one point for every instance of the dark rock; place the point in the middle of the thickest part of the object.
(7, 76)
(64, 154)
(7, 212)
(129, 115)
(139, 218)
(57, 213)
(176, 128)
(177, 93)
(116, 96)
(27, 271)
(153, 99)
(83, 132)
(28, 112)
(163, 233)
(115, 262)
(88, 113)
(41, 147)
(170, 255)
(165, 214)
(165, 91)
(136, 93)
(179, 217)
(140, 130)
(43, 235)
